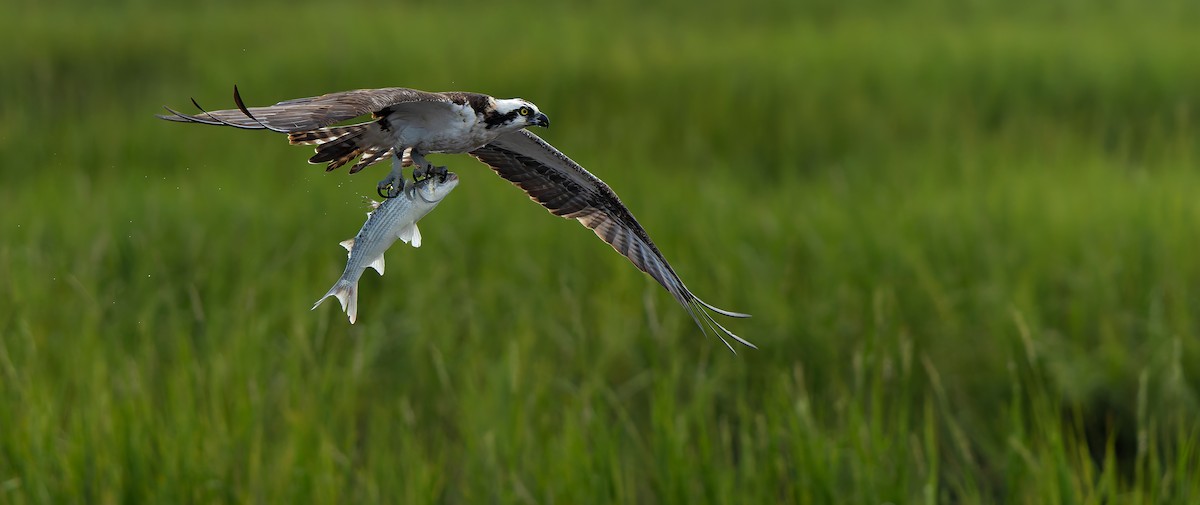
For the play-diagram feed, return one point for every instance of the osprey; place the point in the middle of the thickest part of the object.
(407, 124)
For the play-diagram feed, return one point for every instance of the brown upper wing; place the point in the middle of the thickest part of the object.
(566, 189)
(303, 114)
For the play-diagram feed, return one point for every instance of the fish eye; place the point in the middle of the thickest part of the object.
(524, 111)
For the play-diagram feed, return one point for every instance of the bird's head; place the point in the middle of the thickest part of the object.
(514, 114)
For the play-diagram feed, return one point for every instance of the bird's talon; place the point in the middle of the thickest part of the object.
(422, 173)
(428, 171)
(389, 189)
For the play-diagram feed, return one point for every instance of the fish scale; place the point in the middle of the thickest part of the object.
(395, 218)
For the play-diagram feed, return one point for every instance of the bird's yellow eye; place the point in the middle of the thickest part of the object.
(524, 111)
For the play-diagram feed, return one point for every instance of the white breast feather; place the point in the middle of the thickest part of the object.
(437, 132)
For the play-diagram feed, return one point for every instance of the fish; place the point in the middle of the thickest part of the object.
(395, 218)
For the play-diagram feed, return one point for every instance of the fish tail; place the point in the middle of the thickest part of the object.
(346, 293)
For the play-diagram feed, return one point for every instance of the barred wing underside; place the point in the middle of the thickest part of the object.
(568, 190)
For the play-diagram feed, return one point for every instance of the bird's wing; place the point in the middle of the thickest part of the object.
(303, 114)
(566, 189)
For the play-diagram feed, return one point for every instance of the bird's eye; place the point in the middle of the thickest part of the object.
(524, 111)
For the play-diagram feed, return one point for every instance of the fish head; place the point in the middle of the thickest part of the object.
(435, 188)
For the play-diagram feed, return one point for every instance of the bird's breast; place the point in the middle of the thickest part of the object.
(452, 137)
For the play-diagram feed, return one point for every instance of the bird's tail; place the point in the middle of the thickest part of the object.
(320, 135)
(337, 145)
(346, 293)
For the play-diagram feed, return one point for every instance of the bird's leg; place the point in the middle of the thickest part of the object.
(423, 167)
(391, 185)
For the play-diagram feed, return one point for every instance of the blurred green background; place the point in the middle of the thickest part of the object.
(967, 232)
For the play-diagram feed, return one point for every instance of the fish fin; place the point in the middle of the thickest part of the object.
(411, 235)
(348, 244)
(378, 264)
(346, 293)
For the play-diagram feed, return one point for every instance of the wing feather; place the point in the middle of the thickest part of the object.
(304, 114)
(566, 189)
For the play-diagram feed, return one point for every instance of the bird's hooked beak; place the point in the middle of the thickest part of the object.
(541, 120)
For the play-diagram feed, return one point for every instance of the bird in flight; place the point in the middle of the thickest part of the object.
(493, 131)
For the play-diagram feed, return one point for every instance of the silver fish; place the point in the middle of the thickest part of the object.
(395, 218)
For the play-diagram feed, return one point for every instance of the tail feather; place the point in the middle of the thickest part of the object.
(340, 151)
(320, 136)
(346, 293)
(370, 157)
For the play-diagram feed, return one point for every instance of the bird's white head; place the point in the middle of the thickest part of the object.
(514, 114)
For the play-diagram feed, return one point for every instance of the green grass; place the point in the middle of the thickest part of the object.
(968, 235)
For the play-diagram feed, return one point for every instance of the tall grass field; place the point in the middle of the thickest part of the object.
(968, 232)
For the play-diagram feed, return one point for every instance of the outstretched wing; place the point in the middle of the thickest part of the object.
(306, 120)
(564, 188)
(304, 114)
